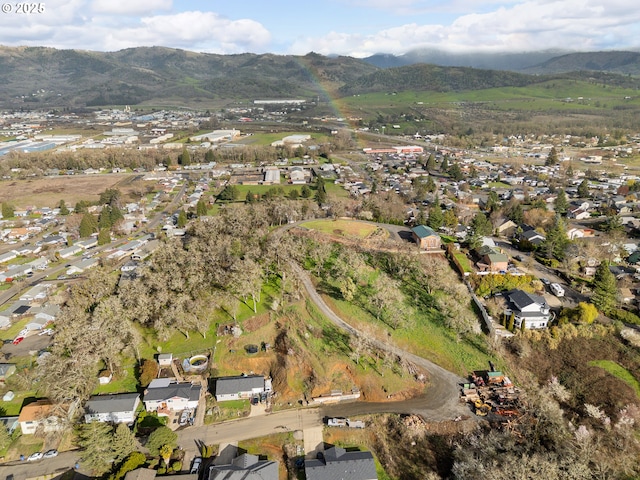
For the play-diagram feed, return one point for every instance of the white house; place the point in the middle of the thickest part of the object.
(243, 386)
(39, 414)
(69, 251)
(114, 408)
(525, 307)
(166, 397)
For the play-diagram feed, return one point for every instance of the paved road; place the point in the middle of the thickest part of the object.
(531, 265)
(22, 470)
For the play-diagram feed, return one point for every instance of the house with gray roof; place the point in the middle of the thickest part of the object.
(173, 397)
(245, 467)
(242, 386)
(338, 464)
(113, 408)
(525, 307)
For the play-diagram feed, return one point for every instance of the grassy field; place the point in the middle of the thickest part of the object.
(619, 372)
(48, 191)
(424, 336)
(348, 228)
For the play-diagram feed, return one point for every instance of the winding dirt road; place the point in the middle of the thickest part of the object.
(441, 400)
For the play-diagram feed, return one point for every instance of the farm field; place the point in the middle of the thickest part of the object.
(48, 191)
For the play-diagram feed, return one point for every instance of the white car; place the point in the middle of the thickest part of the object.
(51, 453)
(35, 456)
(557, 289)
(195, 466)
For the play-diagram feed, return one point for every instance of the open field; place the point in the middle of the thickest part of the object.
(48, 191)
(348, 228)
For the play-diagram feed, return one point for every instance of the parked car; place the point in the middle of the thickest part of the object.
(184, 417)
(557, 289)
(50, 453)
(545, 281)
(35, 456)
(195, 466)
(17, 340)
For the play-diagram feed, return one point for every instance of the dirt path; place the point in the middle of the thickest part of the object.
(441, 401)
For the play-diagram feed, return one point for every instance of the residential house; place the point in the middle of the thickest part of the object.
(7, 257)
(114, 408)
(530, 235)
(37, 415)
(69, 251)
(165, 396)
(507, 229)
(525, 307)
(37, 293)
(245, 467)
(426, 238)
(492, 260)
(338, 464)
(6, 370)
(5, 319)
(243, 386)
(87, 243)
(82, 266)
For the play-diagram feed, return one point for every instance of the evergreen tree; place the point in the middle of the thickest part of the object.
(455, 173)
(8, 210)
(229, 193)
(493, 202)
(104, 237)
(516, 215)
(305, 191)
(115, 215)
(431, 163)
(557, 241)
(431, 185)
(293, 194)
(583, 189)
(436, 217)
(104, 219)
(605, 289)
(184, 158)
(450, 219)
(481, 225)
(124, 443)
(444, 166)
(159, 437)
(88, 225)
(552, 158)
(321, 191)
(201, 208)
(82, 206)
(613, 224)
(63, 208)
(182, 219)
(208, 156)
(561, 204)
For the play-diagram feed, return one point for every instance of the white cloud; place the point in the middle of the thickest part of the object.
(130, 7)
(525, 26)
(194, 30)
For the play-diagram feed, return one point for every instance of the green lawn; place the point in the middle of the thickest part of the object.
(619, 372)
(464, 261)
(349, 228)
(14, 329)
(124, 382)
(13, 407)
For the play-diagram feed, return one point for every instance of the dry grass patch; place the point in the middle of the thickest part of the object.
(48, 191)
(348, 228)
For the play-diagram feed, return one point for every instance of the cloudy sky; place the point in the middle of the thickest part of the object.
(348, 27)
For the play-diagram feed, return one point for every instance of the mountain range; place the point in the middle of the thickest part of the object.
(37, 77)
